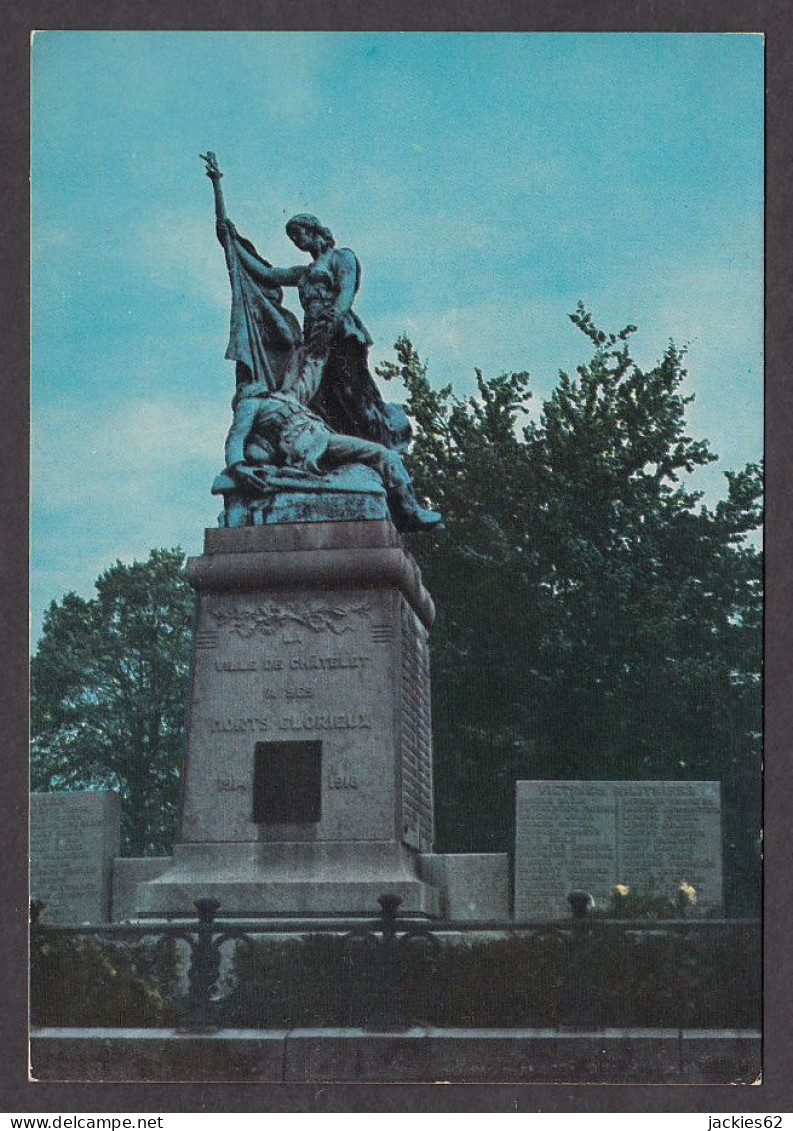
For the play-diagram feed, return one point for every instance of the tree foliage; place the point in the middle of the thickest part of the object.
(108, 694)
(596, 619)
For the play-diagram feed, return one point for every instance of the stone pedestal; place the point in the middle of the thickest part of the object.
(474, 886)
(308, 777)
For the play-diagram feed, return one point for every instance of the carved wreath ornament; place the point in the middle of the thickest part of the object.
(270, 617)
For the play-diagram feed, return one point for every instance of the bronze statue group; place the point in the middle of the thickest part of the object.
(305, 402)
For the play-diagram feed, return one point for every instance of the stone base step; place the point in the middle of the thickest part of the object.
(542, 1056)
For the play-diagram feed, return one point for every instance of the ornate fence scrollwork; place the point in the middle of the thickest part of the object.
(582, 971)
(389, 941)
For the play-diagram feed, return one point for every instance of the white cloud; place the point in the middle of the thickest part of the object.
(82, 457)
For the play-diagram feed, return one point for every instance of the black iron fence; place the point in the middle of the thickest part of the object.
(392, 971)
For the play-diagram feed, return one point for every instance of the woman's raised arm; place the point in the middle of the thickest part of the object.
(269, 276)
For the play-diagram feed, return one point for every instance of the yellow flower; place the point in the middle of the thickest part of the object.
(621, 890)
(688, 890)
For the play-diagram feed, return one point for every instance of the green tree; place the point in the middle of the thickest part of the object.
(108, 694)
(596, 620)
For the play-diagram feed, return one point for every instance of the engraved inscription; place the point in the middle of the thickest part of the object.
(351, 720)
(267, 664)
(341, 781)
(302, 663)
(592, 835)
(569, 843)
(73, 838)
(326, 663)
(661, 844)
(259, 724)
(298, 666)
(240, 726)
(229, 785)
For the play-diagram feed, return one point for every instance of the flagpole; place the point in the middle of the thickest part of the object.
(224, 231)
(214, 174)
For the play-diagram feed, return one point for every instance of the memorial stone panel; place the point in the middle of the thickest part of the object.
(292, 672)
(593, 835)
(73, 840)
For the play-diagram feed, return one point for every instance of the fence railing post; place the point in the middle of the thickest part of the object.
(204, 964)
(391, 1005)
(579, 991)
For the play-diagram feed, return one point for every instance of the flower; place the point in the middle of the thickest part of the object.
(621, 890)
(687, 891)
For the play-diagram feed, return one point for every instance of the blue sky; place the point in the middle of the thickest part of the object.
(487, 183)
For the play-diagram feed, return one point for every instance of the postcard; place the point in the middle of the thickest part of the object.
(397, 557)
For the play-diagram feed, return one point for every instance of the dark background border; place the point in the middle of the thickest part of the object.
(774, 18)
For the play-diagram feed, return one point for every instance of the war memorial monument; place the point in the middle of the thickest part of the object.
(308, 778)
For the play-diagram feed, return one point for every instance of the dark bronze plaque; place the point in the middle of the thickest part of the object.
(287, 783)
